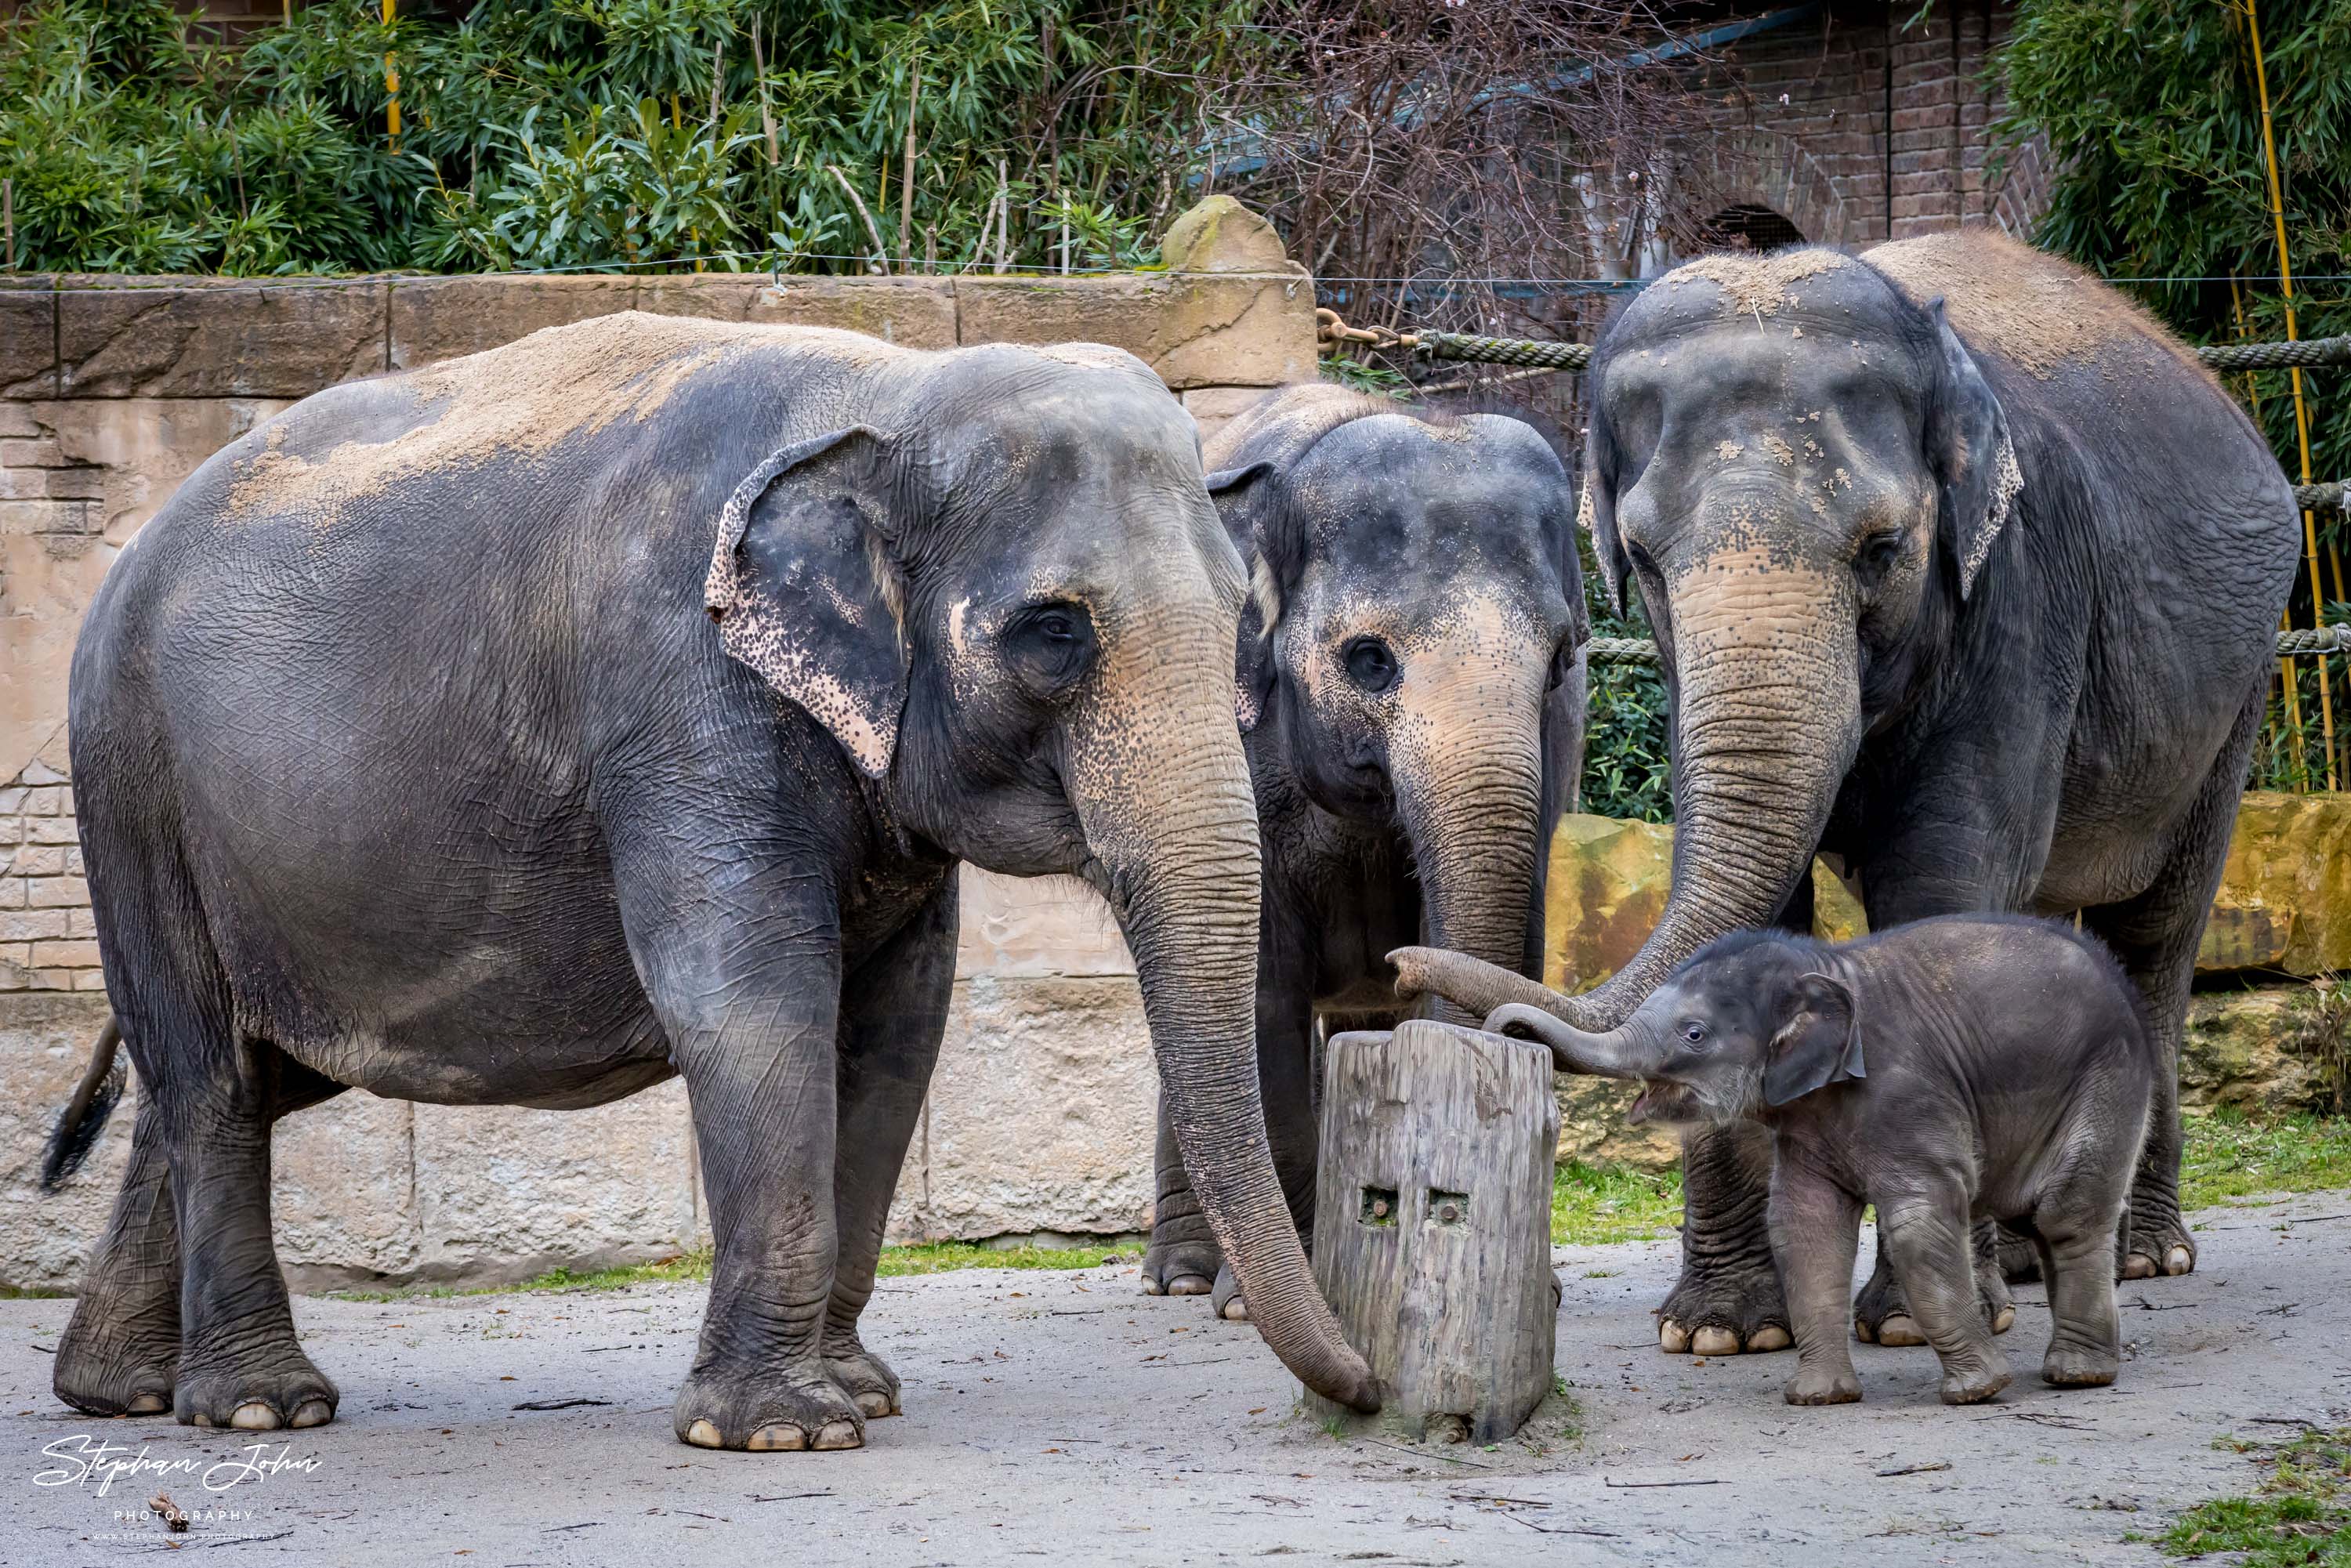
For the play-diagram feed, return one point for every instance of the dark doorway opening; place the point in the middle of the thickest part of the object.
(1748, 226)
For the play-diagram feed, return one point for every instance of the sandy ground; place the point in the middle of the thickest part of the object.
(1068, 1417)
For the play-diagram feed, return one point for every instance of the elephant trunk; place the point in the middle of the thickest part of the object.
(1766, 722)
(1171, 823)
(1466, 760)
(1629, 1051)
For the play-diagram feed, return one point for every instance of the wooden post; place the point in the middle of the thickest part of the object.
(1432, 1230)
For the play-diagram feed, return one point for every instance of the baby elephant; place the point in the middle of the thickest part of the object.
(1972, 1067)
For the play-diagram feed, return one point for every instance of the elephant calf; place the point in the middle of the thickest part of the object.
(2008, 1077)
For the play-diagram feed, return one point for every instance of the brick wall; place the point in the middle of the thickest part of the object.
(1858, 129)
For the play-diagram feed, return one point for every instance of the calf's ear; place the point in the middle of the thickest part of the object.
(804, 592)
(1244, 502)
(1974, 462)
(1818, 1043)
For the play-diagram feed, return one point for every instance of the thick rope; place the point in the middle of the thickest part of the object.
(1642, 651)
(1549, 354)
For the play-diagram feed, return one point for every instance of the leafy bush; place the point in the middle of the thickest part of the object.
(598, 133)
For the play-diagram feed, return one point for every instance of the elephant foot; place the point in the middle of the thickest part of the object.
(1724, 1310)
(770, 1409)
(1181, 1264)
(257, 1393)
(2068, 1366)
(1973, 1384)
(1880, 1315)
(2158, 1242)
(118, 1367)
(2020, 1261)
(1823, 1385)
(867, 1379)
(1225, 1299)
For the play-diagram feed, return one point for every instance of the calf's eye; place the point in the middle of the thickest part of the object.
(1694, 1032)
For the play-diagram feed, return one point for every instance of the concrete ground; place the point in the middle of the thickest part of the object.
(1068, 1417)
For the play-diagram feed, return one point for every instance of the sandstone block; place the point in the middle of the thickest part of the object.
(1195, 330)
(1212, 407)
(441, 318)
(505, 1193)
(911, 312)
(343, 1198)
(1221, 234)
(28, 339)
(2269, 1050)
(45, 1043)
(133, 337)
(2285, 901)
(1033, 927)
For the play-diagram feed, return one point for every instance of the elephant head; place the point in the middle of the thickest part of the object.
(1412, 645)
(1007, 595)
(1805, 476)
(1754, 1022)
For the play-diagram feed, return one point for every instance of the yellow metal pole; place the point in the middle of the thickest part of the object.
(391, 84)
(2301, 411)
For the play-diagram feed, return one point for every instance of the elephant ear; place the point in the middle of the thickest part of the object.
(1244, 495)
(803, 591)
(1595, 513)
(1819, 1042)
(1968, 446)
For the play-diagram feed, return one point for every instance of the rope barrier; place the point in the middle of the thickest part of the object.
(1544, 353)
(1642, 651)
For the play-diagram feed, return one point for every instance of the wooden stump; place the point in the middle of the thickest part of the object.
(1432, 1223)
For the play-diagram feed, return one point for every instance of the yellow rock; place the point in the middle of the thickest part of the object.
(2285, 895)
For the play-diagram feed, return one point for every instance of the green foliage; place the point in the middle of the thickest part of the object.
(2299, 1516)
(1593, 1205)
(2229, 1156)
(1626, 768)
(603, 133)
(2153, 117)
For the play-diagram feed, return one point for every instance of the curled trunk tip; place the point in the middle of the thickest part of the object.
(1473, 984)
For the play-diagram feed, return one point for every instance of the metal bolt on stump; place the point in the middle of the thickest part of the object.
(1432, 1237)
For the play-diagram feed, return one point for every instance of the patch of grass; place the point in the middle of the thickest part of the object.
(2299, 1516)
(2229, 1156)
(1593, 1205)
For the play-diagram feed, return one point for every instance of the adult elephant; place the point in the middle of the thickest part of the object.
(1963, 571)
(1410, 680)
(617, 704)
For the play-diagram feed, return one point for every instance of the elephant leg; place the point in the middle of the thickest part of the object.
(894, 1012)
(1881, 1315)
(1729, 1297)
(2155, 936)
(1815, 1229)
(1926, 1236)
(120, 1353)
(2076, 1224)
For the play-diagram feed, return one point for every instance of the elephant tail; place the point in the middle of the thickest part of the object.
(84, 1117)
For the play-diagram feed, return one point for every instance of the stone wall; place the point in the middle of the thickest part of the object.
(112, 390)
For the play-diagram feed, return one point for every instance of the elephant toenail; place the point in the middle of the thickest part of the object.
(1714, 1341)
(840, 1435)
(254, 1418)
(777, 1436)
(1899, 1329)
(2178, 1260)
(1672, 1338)
(2138, 1266)
(1863, 1332)
(703, 1435)
(313, 1413)
(1771, 1337)
(2004, 1320)
(146, 1405)
(1237, 1310)
(1189, 1285)
(875, 1405)
(1151, 1287)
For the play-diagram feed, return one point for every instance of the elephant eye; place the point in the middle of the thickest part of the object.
(1694, 1032)
(1879, 552)
(1051, 644)
(1370, 664)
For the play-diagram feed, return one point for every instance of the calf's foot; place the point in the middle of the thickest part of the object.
(256, 1389)
(782, 1408)
(1725, 1309)
(1823, 1385)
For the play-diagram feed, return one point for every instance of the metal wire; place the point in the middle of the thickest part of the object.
(1644, 651)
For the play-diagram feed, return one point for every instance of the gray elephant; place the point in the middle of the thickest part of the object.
(615, 705)
(1410, 678)
(1954, 1071)
(1961, 570)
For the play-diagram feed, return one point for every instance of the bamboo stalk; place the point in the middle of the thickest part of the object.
(880, 250)
(767, 116)
(391, 85)
(717, 81)
(2301, 410)
(8, 215)
(906, 178)
(1003, 218)
(930, 247)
